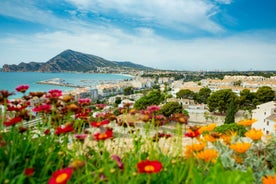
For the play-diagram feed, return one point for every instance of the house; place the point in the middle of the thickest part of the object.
(265, 115)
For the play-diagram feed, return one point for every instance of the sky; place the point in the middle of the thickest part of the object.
(192, 35)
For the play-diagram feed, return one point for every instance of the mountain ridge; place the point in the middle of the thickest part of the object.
(73, 61)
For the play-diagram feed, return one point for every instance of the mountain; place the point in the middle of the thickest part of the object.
(70, 60)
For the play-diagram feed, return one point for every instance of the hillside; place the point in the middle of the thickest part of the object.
(70, 60)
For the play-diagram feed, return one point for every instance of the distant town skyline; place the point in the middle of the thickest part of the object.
(163, 34)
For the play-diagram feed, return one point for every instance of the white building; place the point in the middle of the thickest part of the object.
(265, 115)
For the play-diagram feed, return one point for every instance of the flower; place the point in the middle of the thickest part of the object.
(77, 164)
(61, 176)
(240, 147)
(153, 108)
(22, 88)
(64, 129)
(192, 133)
(100, 106)
(29, 171)
(254, 134)
(208, 155)
(44, 108)
(269, 179)
(103, 136)
(81, 137)
(98, 124)
(195, 147)
(118, 161)
(54, 94)
(13, 121)
(207, 128)
(84, 101)
(148, 166)
(247, 122)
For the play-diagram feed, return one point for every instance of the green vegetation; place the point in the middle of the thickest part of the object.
(171, 108)
(154, 97)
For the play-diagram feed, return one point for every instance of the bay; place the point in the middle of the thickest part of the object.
(10, 80)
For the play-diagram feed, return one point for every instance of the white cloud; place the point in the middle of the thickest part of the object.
(184, 15)
(241, 52)
(224, 1)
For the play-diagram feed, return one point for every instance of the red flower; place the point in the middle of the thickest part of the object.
(29, 171)
(147, 166)
(13, 121)
(81, 137)
(47, 132)
(192, 134)
(98, 124)
(44, 108)
(61, 176)
(64, 129)
(22, 88)
(103, 136)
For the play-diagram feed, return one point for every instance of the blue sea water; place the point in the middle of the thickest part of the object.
(10, 80)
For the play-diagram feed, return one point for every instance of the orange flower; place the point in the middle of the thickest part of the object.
(61, 176)
(269, 179)
(208, 155)
(194, 148)
(254, 134)
(247, 122)
(240, 147)
(207, 128)
(147, 166)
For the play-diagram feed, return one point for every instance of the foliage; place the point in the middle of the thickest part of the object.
(152, 98)
(230, 113)
(170, 108)
(128, 90)
(185, 93)
(246, 99)
(264, 94)
(228, 128)
(203, 95)
(220, 100)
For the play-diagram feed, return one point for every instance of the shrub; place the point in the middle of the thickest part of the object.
(233, 127)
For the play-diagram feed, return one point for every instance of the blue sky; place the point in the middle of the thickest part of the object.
(164, 34)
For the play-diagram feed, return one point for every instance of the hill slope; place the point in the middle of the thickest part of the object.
(70, 60)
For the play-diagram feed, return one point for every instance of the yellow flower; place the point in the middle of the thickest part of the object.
(208, 155)
(269, 179)
(254, 134)
(240, 147)
(237, 159)
(209, 138)
(247, 122)
(207, 128)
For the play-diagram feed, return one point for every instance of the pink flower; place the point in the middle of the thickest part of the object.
(153, 108)
(118, 161)
(22, 88)
(54, 94)
(84, 101)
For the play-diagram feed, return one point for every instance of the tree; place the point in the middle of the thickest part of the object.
(203, 95)
(152, 98)
(231, 112)
(264, 94)
(219, 100)
(246, 99)
(171, 108)
(128, 90)
(185, 93)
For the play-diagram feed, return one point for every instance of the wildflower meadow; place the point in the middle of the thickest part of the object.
(50, 137)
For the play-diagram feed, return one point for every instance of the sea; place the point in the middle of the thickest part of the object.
(10, 80)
